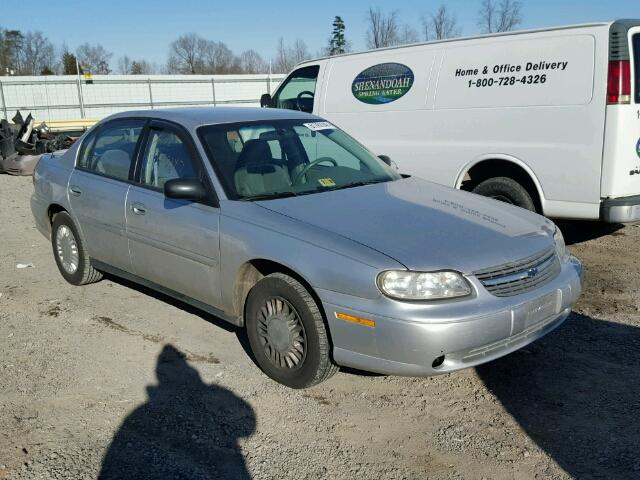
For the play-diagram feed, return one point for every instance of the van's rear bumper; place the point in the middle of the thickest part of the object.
(620, 210)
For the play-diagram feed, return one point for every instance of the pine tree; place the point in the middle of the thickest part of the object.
(69, 65)
(337, 44)
(136, 68)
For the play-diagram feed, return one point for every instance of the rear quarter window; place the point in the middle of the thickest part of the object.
(636, 62)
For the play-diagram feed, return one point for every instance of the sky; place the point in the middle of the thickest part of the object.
(145, 28)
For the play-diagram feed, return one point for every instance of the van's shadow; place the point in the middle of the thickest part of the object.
(186, 430)
(576, 393)
(578, 231)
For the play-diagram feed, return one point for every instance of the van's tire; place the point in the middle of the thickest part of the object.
(70, 253)
(287, 333)
(506, 190)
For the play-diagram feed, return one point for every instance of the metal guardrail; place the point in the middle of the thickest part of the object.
(149, 102)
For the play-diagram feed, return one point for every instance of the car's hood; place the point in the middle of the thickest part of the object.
(422, 225)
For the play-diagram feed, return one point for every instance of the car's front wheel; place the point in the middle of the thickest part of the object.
(70, 253)
(287, 333)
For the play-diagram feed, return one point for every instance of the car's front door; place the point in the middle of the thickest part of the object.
(98, 188)
(173, 243)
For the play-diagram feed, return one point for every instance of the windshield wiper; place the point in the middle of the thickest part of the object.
(359, 184)
(268, 196)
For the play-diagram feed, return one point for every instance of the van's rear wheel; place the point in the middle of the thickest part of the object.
(506, 190)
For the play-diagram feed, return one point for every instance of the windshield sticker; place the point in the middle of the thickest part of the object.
(317, 126)
(383, 83)
(327, 182)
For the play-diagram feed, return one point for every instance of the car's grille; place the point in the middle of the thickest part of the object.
(521, 276)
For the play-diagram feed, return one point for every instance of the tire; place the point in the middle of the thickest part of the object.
(284, 324)
(506, 190)
(74, 263)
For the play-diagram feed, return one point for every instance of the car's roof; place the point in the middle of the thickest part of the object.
(193, 117)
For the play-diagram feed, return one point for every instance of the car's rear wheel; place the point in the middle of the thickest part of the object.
(70, 253)
(506, 190)
(287, 333)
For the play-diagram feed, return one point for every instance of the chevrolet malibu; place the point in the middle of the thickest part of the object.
(282, 224)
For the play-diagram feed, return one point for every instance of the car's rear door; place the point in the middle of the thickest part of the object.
(98, 188)
(173, 243)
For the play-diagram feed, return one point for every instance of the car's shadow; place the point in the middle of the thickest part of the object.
(186, 429)
(576, 393)
(578, 231)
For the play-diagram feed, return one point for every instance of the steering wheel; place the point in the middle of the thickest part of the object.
(310, 165)
(305, 92)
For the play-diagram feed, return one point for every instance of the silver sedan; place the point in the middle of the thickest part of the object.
(280, 223)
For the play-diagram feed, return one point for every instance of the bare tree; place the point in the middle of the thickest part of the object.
(499, 17)
(124, 65)
(186, 54)
(383, 28)
(407, 35)
(288, 57)
(218, 58)
(94, 57)
(252, 62)
(440, 25)
(36, 54)
(193, 54)
(299, 52)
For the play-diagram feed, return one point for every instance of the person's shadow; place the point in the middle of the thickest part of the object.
(186, 430)
(576, 393)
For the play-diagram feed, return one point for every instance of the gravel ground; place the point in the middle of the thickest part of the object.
(113, 380)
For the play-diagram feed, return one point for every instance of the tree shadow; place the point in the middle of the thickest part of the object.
(576, 393)
(578, 231)
(186, 430)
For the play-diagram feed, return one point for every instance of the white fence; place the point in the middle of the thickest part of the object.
(68, 97)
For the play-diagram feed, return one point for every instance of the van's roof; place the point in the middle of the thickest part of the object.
(476, 37)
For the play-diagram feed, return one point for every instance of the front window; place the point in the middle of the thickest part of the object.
(298, 90)
(271, 159)
(166, 157)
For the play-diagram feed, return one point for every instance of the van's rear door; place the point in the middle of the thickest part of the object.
(621, 156)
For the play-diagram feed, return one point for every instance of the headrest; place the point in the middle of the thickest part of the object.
(255, 152)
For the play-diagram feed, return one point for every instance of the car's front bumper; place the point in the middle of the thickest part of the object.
(408, 337)
(620, 210)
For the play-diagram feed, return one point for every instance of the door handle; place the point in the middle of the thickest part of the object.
(138, 209)
(75, 191)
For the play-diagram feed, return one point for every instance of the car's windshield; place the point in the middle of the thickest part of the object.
(276, 158)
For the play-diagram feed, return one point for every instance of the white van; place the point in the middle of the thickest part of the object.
(546, 119)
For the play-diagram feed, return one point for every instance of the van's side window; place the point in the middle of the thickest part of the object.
(298, 90)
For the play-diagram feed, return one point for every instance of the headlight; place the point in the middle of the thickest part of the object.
(561, 248)
(405, 285)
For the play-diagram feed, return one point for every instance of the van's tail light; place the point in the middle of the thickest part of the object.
(619, 86)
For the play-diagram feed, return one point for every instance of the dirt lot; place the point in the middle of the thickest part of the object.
(113, 378)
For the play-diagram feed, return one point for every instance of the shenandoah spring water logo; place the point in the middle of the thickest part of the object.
(383, 83)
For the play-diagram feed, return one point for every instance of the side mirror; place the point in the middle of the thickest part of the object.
(385, 159)
(185, 189)
(265, 100)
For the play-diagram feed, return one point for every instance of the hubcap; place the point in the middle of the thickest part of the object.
(282, 334)
(67, 249)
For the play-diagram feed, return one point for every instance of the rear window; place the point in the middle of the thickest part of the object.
(636, 62)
